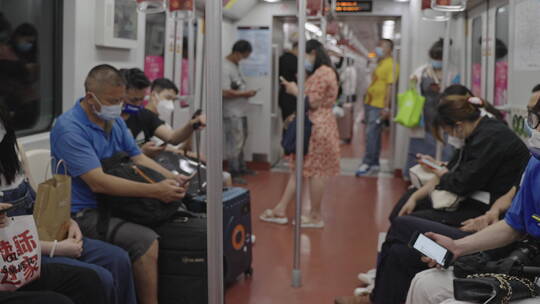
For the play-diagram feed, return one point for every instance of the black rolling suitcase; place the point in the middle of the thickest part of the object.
(182, 261)
(237, 245)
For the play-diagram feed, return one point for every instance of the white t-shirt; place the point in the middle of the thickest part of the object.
(232, 79)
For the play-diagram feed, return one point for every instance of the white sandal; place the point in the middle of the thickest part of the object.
(269, 216)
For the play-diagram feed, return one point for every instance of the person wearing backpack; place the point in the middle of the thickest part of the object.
(90, 132)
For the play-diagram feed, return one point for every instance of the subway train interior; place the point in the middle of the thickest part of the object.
(269, 151)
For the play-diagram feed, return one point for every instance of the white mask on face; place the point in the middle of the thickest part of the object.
(456, 142)
(108, 113)
(3, 132)
(165, 108)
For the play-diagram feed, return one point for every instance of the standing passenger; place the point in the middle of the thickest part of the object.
(322, 159)
(377, 106)
(288, 68)
(428, 80)
(235, 101)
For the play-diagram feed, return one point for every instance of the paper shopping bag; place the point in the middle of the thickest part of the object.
(53, 208)
(20, 253)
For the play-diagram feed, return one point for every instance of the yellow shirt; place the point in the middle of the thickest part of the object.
(383, 76)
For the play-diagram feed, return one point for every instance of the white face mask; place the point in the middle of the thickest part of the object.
(534, 143)
(456, 142)
(165, 108)
(108, 112)
(3, 132)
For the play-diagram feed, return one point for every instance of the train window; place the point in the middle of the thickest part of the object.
(501, 56)
(476, 60)
(154, 60)
(31, 63)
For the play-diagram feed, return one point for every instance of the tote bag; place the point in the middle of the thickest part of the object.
(20, 253)
(410, 106)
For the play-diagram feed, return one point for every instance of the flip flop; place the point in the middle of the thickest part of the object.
(269, 216)
(309, 223)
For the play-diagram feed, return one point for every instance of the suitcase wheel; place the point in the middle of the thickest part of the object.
(249, 272)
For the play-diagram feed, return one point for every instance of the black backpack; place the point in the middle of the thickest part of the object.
(140, 210)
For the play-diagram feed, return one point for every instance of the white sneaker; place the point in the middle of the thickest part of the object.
(253, 239)
(366, 170)
(368, 277)
(364, 290)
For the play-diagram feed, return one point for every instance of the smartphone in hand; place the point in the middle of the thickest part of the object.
(431, 249)
(430, 164)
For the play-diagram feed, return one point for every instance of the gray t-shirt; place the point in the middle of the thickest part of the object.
(232, 79)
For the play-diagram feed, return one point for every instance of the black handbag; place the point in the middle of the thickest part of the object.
(493, 288)
(288, 140)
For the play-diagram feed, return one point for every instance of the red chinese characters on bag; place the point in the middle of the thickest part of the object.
(20, 253)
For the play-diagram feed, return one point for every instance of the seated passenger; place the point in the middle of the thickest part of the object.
(490, 158)
(434, 286)
(56, 281)
(147, 124)
(59, 284)
(111, 263)
(92, 131)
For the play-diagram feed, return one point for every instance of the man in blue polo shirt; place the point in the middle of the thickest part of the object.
(523, 218)
(91, 131)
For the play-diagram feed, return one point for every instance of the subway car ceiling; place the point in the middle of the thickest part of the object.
(413, 36)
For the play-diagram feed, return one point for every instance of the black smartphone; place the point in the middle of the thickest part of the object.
(431, 249)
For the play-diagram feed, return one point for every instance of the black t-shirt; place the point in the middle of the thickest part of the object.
(145, 121)
(287, 69)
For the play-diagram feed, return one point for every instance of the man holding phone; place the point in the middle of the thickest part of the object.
(433, 286)
(235, 102)
(144, 123)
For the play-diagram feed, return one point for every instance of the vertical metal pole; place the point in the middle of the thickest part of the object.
(213, 61)
(445, 82)
(300, 106)
(191, 59)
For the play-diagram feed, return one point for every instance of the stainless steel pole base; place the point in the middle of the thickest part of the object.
(297, 278)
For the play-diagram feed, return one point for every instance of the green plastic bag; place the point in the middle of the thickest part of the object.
(410, 107)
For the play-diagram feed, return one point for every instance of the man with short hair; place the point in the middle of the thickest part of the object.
(144, 123)
(235, 102)
(86, 134)
(377, 105)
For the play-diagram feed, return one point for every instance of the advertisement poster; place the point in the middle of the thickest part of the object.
(258, 64)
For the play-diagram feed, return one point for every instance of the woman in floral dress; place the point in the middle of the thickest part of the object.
(322, 159)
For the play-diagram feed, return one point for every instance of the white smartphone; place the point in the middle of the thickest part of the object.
(430, 164)
(431, 249)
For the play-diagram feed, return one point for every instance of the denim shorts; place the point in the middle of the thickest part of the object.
(23, 197)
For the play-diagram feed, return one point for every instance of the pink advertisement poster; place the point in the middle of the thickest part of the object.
(153, 67)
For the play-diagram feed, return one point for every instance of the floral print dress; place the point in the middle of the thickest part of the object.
(322, 159)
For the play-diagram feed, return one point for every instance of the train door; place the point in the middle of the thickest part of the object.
(488, 51)
(497, 56)
(477, 50)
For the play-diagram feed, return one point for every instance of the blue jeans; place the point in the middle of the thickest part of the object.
(111, 263)
(373, 135)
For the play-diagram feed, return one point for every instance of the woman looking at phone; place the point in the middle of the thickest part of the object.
(322, 159)
(486, 166)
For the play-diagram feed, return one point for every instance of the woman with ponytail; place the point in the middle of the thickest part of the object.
(322, 159)
(470, 192)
